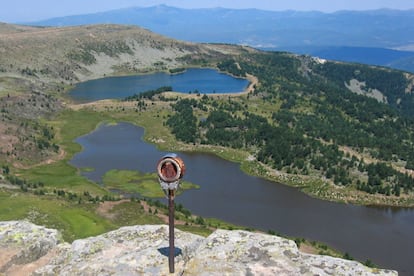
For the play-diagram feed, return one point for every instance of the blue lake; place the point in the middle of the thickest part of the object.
(383, 235)
(205, 81)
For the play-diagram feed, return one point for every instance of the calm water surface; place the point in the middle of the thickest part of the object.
(206, 81)
(385, 236)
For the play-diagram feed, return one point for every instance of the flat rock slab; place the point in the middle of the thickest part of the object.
(247, 253)
(143, 250)
(135, 250)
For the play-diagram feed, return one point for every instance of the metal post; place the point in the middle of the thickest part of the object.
(171, 229)
(170, 170)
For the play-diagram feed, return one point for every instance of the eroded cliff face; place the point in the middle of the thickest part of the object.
(27, 249)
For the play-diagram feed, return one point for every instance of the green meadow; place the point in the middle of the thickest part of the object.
(73, 220)
(69, 201)
(146, 185)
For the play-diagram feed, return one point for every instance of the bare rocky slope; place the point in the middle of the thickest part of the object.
(73, 54)
(28, 249)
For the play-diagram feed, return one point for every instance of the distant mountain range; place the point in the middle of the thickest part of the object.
(357, 36)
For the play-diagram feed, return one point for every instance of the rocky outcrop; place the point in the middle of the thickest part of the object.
(142, 250)
(23, 245)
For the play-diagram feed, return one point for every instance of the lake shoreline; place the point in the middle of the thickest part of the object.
(313, 186)
(308, 185)
(210, 80)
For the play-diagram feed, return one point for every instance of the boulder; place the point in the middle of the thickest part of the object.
(134, 250)
(143, 250)
(247, 253)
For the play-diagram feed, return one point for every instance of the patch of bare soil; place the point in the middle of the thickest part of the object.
(304, 248)
(23, 269)
(104, 208)
(6, 255)
(48, 161)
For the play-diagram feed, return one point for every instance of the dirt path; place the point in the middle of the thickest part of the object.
(48, 161)
(253, 82)
(24, 32)
(102, 104)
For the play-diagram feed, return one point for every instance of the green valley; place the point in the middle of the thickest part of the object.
(340, 132)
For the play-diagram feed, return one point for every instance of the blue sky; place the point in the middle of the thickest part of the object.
(13, 11)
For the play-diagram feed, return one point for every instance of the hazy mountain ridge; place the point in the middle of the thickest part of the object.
(381, 28)
(280, 30)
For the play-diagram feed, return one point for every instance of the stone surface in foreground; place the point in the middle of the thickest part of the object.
(143, 250)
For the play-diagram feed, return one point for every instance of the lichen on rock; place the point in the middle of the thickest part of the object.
(22, 243)
(143, 250)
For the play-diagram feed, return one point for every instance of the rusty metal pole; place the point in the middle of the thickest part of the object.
(171, 229)
(170, 170)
